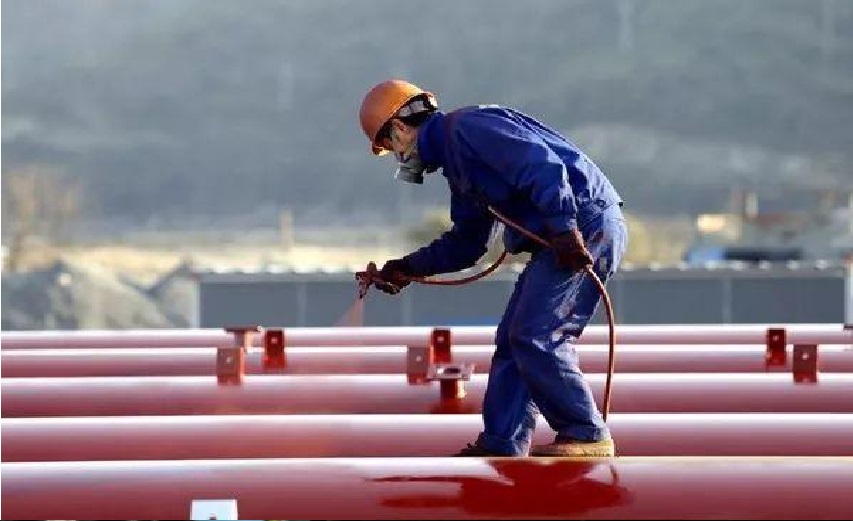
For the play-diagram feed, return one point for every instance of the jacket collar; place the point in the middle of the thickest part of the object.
(431, 140)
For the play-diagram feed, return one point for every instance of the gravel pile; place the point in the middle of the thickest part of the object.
(68, 296)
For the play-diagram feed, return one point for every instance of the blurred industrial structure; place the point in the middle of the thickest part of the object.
(787, 232)
(719, 293)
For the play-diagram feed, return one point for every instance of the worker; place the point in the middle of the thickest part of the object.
(495, 156)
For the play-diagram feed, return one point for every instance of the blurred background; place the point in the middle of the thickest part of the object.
(175, 163)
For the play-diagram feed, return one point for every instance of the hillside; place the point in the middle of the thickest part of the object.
(211, 112)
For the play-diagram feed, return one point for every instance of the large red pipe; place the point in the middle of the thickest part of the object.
(390, 394)
(389, 360)
(401, 336)
(239, 437)
(437, 488)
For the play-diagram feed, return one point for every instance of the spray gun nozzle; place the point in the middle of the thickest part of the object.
(371, 277)
(366, 278)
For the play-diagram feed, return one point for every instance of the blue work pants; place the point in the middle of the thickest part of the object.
(535, 367)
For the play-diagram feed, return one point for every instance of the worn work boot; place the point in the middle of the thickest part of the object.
(474, 449)
(576, 448)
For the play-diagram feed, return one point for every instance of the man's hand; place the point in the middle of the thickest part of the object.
(394, 275)
(570, 250)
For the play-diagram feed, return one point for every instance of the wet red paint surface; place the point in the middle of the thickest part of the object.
(454, 488)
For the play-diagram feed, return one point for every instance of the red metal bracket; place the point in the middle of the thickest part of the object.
(433, 362)
(418, 361)
(230, 365)
(776, 343)
(804, 365)
(231, 360)
(451, 378)
(440, 341)
(274, 355)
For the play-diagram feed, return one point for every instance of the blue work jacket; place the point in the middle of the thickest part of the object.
(492, 155)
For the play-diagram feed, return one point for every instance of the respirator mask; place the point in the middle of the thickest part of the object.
(410, 166)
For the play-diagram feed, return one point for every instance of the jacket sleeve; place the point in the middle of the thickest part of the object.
(461, 246)
(524, 161)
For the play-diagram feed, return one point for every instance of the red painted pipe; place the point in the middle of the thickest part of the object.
(653, 334)
(437, 488)
(239, 437)
(390, 394)
(385, 360)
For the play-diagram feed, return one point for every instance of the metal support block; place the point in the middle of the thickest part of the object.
(440, 341)
(434, 362)
(231, 360)
(230, 365)
(776, 342)
(451, 379)
(419, 359)
(805, 363)
(275, 358)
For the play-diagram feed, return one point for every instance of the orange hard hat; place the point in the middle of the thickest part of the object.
(382, 102)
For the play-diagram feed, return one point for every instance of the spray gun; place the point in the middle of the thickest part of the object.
(371, 277)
